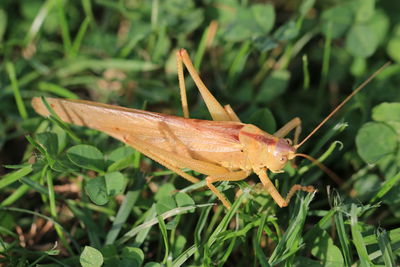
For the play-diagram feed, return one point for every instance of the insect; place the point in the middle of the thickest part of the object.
(224, 149)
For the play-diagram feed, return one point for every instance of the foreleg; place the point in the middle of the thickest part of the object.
(293, 124)
(271, 189)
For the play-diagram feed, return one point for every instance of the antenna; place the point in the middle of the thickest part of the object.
(342, 104)
(325, 169)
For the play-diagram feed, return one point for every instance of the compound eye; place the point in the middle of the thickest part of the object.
(283, 159)
(289, 142)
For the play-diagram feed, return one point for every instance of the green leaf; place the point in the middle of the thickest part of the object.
(361, 41)
(264, 15)
(30, 9)
(338, 18)
(305, 6)
(165, 190)
(244, 93)
(273, 86)
(110, 254)
(182, 16)
(393, 46)
(379, 24)
(91, 257)
(131, 257)
(286, 32)
(323, 248)
(88, 157)
(49, 141)
(242, 28)
(358, 66)
(374, 141)
(120, 158)
(165, 204)
(386, 112)
(63, 164)
(96, 189)
(115, 183)
(265, 43)
(364, 9)
(120, 153)
(363, 38)
(252, 22)
(183, 199)
(179, 245)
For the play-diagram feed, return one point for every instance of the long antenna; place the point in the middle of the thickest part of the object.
(343, 103)
(325, 169)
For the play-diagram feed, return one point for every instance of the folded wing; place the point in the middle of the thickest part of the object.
(211, 141)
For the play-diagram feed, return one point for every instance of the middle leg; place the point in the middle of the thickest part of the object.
(230, 176)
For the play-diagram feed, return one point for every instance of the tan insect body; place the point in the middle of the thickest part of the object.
(224, 149)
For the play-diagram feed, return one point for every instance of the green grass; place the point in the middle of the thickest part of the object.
(71, 195)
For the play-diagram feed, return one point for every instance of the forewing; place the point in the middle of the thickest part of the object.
(186, 137)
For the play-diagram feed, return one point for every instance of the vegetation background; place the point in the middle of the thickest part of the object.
(70, 195)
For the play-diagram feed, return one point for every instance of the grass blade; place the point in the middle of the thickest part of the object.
(387, 185)
(291, 240)
(385, 247)
(15, 176)
(122, 215)
(358, 239)
(17, 94)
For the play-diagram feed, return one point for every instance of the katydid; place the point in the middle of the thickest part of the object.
(224, 149)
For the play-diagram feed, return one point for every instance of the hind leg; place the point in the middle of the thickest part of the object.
(217, 111)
